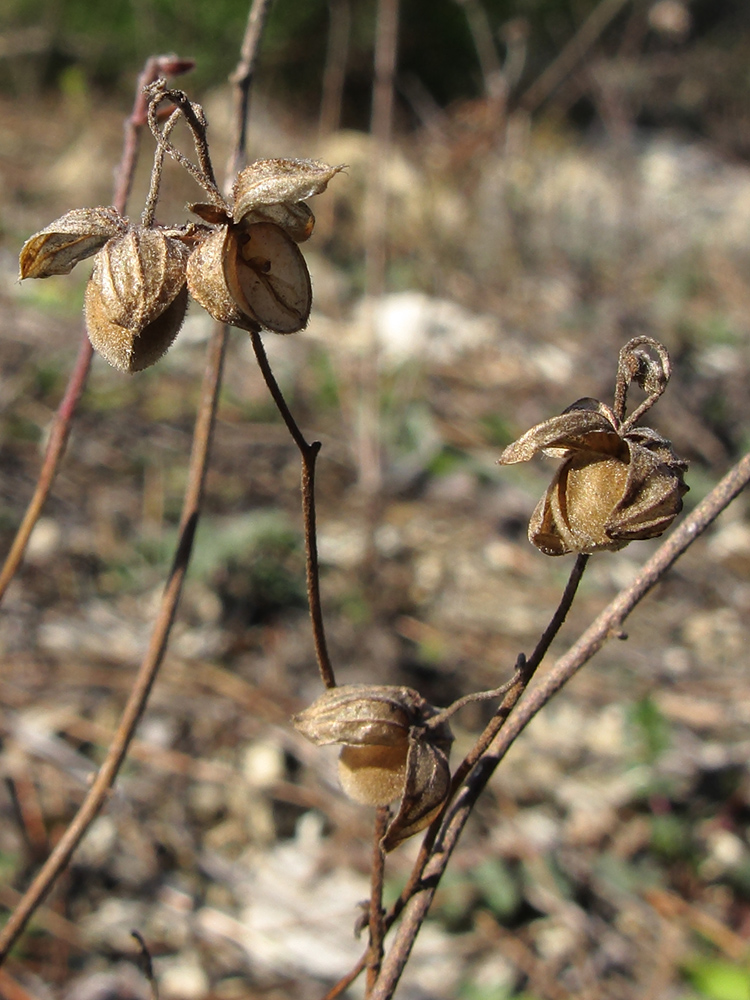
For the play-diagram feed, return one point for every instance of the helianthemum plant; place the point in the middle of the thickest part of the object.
(617, 482)
(241, 262)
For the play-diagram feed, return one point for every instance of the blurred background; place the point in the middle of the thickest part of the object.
(562, 175)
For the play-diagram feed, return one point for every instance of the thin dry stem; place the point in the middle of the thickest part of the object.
(572, 54)
(58, 438)
(376, 923)
(334, 74)
(203, 173)
(308, 453)
(149, 209)
(97, 794)
(376, 242)
(242, 78)
(627, 370)
(606, 625)
(148, 965)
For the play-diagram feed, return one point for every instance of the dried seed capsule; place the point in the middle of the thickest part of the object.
(388, 750)
(361, 715)
(427, 783)
(615, 485)
(208, 284)
(136, 298)
(252, 277)
(373, 776)
(267, 277)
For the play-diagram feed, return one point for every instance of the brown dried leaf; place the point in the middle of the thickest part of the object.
(275, 182)
(576, 429)
(428, 780)
(68, 240)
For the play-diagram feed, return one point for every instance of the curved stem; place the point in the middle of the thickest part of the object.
(107, 773)
(513, 690)
(58, 439)
(308, 454)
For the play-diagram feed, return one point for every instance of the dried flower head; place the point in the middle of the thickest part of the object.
(389, 750)
(248, 271)
(136, 297)
(243, 265)
(617, 482)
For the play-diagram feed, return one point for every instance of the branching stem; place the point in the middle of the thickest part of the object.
(605, 626)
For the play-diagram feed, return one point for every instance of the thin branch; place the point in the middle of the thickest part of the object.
(242, 78)
(524, 671)
(334, 74)
(308, 454)
(376, 242)
(572, 53)
(149, 208)
(376, 922)
(606, 625)
(58, 438)
(203, 172)
(97, 794)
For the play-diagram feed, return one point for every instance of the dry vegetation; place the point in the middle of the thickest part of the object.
(610, 856)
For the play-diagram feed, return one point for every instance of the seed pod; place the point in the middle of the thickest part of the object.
(251, 277)
(136, 298)
(388, 751)
(68, 240)
(614, 485)
(208, 285)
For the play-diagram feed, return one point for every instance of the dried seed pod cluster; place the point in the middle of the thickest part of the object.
(617, 482)
(389, 750)
(248, 271)
(242, 264)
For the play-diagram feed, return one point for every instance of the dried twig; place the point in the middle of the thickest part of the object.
(579, 45)
(376, 922)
